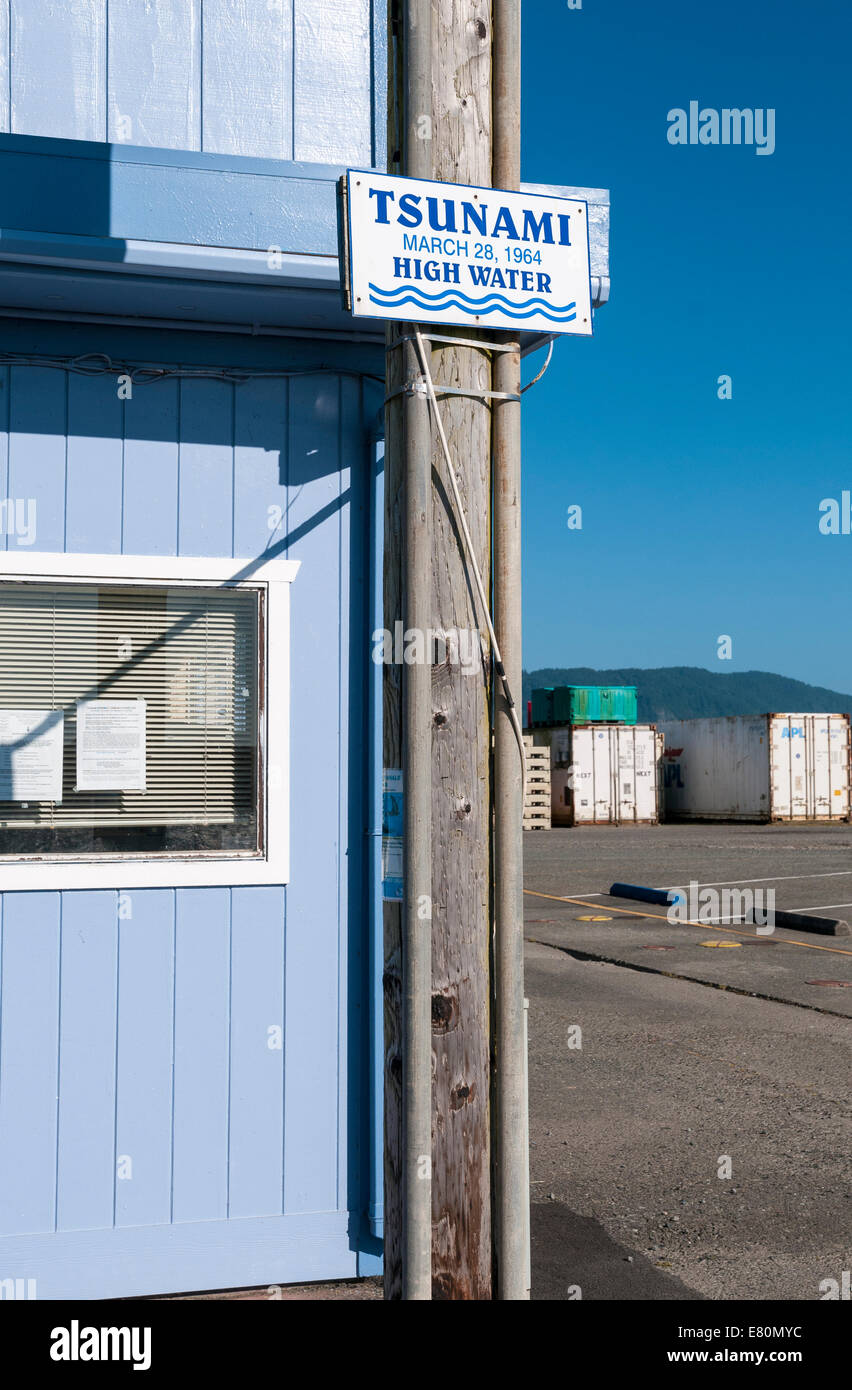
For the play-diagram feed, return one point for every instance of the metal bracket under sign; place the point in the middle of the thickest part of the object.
(343, 241)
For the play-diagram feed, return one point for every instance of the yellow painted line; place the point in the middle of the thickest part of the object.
(655, 916)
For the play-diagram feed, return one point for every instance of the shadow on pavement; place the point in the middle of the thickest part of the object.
(570, 1250)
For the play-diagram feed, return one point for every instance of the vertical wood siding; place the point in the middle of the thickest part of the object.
(140, 1082)
(279, 79)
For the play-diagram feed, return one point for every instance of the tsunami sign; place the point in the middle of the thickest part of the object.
(430, 252)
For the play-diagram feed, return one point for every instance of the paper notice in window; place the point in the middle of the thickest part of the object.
(110, 746)
(31, 754)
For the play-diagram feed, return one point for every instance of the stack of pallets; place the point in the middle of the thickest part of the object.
(537, 799)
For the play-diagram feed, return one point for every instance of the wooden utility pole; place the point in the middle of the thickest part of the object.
(461, 754)
(461, 786)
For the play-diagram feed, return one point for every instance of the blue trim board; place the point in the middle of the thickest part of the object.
(133, 1261)
(117, 194)
(112, 231)
(169, 259)
(120, 192)
(160, 347)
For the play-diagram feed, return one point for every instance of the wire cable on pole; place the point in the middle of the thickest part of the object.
(498, 660)
(93, 364)
(541, 373)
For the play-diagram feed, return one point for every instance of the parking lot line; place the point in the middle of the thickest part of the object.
(751, 936)
(823, 908)
(779, 878)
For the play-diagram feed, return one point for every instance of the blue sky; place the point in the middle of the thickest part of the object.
(700, 516)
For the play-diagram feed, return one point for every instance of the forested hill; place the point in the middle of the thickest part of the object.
(690, 692)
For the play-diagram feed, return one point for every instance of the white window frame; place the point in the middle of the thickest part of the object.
(190, 869)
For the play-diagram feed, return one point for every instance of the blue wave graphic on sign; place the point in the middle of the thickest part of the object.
(457, 299)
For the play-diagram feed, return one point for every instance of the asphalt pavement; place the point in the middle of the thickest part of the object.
(689, 1106)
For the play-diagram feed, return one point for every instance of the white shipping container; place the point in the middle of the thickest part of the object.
(768, 767)
(603, 774)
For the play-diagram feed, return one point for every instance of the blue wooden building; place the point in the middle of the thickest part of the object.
(190, 565)
(184, 1097)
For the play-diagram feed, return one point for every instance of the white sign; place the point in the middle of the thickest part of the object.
(445, 253)
(31, 743)
(111, 746)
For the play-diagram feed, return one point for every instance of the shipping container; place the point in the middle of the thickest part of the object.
(766, 767)
(618, 704)
(661, 793)
(557, 705)
(603, 774)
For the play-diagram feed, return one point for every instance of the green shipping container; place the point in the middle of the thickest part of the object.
(542, 706)
(584, 704)
(618, 704)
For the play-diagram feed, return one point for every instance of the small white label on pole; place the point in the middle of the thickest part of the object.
(392, 834)
(434, 252)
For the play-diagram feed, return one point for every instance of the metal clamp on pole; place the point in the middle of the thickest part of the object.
(454, 342)
(409, 390)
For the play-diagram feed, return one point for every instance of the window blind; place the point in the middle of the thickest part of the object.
(191, 654)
